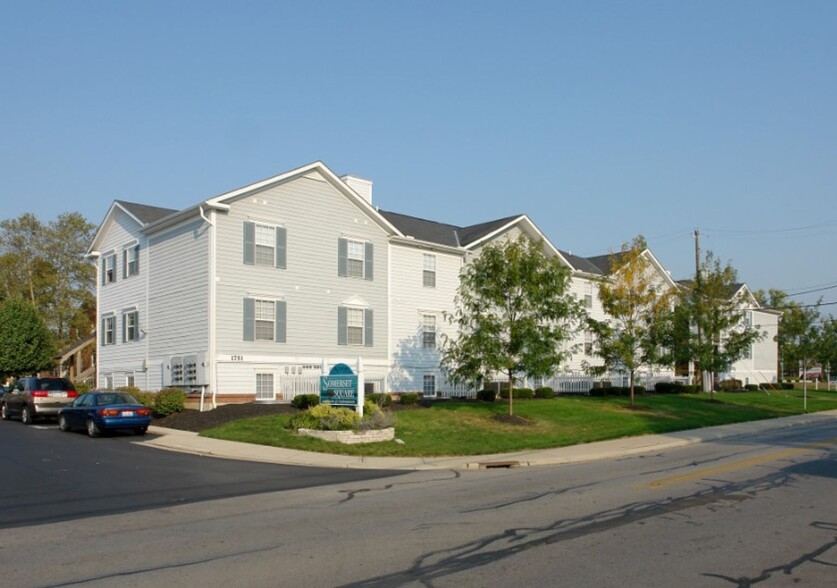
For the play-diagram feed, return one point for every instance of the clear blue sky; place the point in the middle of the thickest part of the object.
(600, 120)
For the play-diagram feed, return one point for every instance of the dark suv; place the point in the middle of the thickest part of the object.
(33, 398)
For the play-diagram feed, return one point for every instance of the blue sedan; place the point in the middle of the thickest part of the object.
(104, 410)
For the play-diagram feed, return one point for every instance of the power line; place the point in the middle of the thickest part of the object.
(831, 287)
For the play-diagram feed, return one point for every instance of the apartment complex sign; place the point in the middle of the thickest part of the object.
(339, 387)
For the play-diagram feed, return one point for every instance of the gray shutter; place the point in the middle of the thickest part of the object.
(281, 321)
(342, 255)
(249, 319)
(137, 250)
(281, 247)
(342, 320)
(104, 333)
(124, 263)
(124, 328)
(249, 243)
(368, 259)
(104, 270)
(367, 327)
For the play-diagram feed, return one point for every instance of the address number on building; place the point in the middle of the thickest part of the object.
(236, 358)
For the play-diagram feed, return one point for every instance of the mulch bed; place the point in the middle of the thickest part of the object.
(197, 421)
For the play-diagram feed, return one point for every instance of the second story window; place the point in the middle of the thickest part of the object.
(355, 259)
(130, 326)
(108, 330)
(265, 320)
(109, 268)
(354, 326)
(265, 245)
(130, 261)
(429, 331)
(429, 274)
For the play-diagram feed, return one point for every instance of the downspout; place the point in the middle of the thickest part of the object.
(94, 257)
(211, 327)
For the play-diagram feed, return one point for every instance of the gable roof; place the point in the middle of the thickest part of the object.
(582, 264)
(143, 213)
(422, 229)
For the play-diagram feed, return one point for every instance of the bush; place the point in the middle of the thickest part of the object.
(145, 398)
(691, 388)
(544, 392)
(325, 417)
(379, 399)
(752, 387)
(409, 398)
(487, 395)
(668, 388)
(132, 390)
(731, 385)
(82, 387)
(518, 393)
(169, 401)
(303, 401)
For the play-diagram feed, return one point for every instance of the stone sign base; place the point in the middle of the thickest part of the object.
(351, 437)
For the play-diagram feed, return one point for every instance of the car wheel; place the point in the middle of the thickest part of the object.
(93, 428)
(63, 424)
(4, 412)
(141, 430)
(26, 416)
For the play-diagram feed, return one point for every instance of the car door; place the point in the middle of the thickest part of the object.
(77, 413)
(16, 398)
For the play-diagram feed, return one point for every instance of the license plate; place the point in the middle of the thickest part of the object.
(127, 413)
(58, 394)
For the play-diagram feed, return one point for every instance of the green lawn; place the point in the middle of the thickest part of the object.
(468, 428)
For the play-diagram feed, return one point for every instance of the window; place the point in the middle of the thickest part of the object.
(108, 330)
(354, 326)
(265, 320)
(588, 301)
(588, 343)
(130, 326)
(264, 387)
(429, 385)
(129, 380)
(109, 268)
(354, 259)
(265, 245)
(130, 261)
(429, 276)
(428, 329)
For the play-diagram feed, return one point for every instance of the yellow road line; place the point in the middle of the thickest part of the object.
(753, 461)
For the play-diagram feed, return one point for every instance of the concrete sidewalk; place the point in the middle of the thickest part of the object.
(188, 442)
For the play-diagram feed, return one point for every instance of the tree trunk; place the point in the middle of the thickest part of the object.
(632, 388)
(511, 394)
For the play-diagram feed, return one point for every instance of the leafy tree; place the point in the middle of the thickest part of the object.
(26, 345)
(638, 305)
(717, 334)
(513, 312)
(45, 264)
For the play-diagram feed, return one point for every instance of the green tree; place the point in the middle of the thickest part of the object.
(717, 334)
(638, 304)
(513, 312)
(26, 345)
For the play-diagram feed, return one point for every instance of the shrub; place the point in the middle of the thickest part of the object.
(691, 388)
(145, 398)
(487, 395)
(379, 398)
(82, 387)
(521, 393)
(303, 401)
(544, 392)
(668, 387)
(132, 390)
(752, 387)
(375, 418)
(731, 385)
(169, 401)
(331, 418)
(409, 398)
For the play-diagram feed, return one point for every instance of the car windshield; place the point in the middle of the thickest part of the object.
(53, 384)
(115, 398)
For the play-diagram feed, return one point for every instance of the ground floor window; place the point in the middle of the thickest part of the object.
(429, 385)
(264, 386)
(129, 380)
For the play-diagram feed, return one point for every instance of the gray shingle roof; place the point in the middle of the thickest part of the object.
(144, 213)
(441, 233)
(582, 264)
